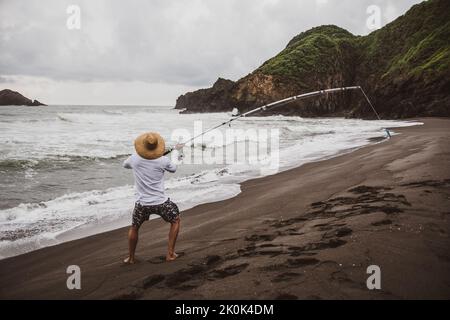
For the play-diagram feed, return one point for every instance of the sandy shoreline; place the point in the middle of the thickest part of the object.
(309, 232)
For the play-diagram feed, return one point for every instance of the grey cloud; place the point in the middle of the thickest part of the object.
(188, 42)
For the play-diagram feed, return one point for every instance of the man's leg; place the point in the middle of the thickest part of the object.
(173, 234)
(133, 236)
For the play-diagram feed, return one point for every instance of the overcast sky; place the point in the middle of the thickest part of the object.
(149, 52)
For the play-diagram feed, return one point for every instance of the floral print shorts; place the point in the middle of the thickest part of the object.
(168, 211)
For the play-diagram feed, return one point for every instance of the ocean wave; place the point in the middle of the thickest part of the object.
(113, 112)
(16, 163)
(34, 225)
(278, 117)
(111, 117)
(63, 118)
(15, 121)
(53, 161)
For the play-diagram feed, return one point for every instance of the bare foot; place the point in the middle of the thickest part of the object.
(171, 257)
(128, 260)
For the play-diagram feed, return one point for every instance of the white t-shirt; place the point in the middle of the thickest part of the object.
(149, 178)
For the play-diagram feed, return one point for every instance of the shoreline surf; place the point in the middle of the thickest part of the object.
(310, 237)
(229, 187)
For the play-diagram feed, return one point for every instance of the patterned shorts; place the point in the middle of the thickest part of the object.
(167, 210)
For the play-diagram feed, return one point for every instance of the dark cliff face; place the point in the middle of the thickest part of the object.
(207, 100)
(404, 67)
(13, 98)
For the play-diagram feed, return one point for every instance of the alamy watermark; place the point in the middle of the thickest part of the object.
(374, 280)
(257, 147)
(74, 280)
(373, 21)
(73, 21)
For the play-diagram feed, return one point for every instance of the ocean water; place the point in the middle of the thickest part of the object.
(61, 166)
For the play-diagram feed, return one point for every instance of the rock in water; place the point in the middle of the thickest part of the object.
(14, 98)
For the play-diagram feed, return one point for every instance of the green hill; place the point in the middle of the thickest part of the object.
(404, 68)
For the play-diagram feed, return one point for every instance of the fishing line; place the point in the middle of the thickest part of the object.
(375, 111)
(283, 102)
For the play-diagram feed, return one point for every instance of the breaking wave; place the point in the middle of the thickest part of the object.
(65, 136)
(31, 226)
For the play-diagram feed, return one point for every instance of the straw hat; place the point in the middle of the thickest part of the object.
(150, 145)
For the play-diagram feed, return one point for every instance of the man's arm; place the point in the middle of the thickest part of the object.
(170, 166)
(127, 163)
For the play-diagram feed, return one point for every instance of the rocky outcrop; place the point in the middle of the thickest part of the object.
(404, 67)
(14, 98)
(214, 99)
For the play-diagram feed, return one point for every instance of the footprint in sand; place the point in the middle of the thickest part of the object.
(212, 259)
(228, 271)
(340, 232)
(152, 280)
(261, 237)
(162, 259)
(287, 276)
(286, 296)
(382, 222)
(132, 295)
(301, 262)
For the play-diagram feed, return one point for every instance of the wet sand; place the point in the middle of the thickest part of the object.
(307, 233)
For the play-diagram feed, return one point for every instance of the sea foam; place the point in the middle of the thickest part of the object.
(79, 135)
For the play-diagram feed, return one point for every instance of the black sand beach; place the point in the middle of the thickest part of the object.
(307, 233)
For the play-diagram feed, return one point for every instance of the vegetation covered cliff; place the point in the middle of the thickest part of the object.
(404, 67)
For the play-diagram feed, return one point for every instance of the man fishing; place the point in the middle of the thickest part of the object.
(149, 164)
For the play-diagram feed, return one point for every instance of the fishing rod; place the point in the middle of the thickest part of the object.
(283, 102)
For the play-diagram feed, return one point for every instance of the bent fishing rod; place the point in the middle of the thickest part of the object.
(283, 102)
